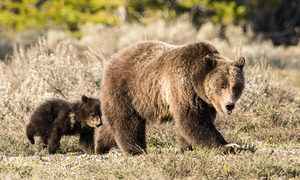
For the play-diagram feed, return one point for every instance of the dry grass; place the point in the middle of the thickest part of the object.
(268, 113)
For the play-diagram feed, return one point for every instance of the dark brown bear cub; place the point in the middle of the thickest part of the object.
(56, 117)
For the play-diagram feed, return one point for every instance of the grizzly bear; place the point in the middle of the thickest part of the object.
(55, 118)
(151, 80)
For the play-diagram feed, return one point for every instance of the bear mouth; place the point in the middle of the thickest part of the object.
(226, 112)
(229, 112)
(223, 108)
(98, 125)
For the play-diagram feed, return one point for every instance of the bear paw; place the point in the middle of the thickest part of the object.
(235, 148)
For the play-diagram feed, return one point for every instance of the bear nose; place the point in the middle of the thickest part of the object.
(230, 107)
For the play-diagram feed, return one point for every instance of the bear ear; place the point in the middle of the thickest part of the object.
(209, 61)
(84, 98)
(240, 62)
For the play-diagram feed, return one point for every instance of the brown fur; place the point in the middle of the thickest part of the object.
(56, 117)
(153, 80)
(106, 142)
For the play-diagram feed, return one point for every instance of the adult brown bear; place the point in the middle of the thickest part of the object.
(151, 80)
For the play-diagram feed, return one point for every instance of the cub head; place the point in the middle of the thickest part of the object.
(90, 111)
(224, 84)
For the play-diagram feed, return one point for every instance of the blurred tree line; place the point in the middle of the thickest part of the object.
(278, 20)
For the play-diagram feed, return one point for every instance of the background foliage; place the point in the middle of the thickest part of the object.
(23, 14)
(275, 19)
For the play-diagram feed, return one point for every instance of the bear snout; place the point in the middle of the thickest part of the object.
(94, 122)
(229, 108)
(99, 123)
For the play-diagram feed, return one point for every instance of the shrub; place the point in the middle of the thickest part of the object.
(21, 15)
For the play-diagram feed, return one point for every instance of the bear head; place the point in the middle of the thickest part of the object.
(224, 83)
(90, 112)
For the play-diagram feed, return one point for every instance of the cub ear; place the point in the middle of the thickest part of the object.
(209, 61)
(240, 62)
(84, 98)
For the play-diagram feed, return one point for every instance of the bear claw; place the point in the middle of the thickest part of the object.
(235, 148)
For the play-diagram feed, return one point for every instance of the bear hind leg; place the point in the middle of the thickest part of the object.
(45, 138)
(104, 139)
(30, 132)
(130, 134)
(56, 133)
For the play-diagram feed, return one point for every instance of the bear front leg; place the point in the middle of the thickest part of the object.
(86, 139)
(196, 127)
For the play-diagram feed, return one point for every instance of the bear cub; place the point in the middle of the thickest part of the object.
(56, 118)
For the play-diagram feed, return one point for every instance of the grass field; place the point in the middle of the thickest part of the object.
(268, 114)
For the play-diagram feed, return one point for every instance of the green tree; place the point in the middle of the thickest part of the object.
(21, 15)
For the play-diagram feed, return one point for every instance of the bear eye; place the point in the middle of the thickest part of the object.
(223, 85)
(236, 88)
